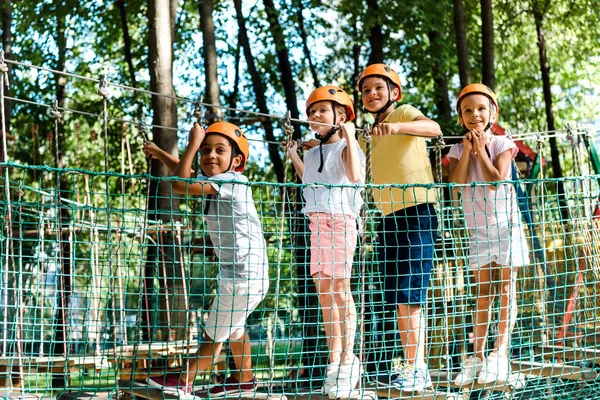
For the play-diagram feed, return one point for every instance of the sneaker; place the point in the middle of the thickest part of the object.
(496, 368)
(331, 375)
(471, 367)
(171, 383)
(411, 378)
(232, 386)
(347, 379)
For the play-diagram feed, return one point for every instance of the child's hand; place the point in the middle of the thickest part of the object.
(197, 135)
(467, 143)
(151, 150)
(385, 129)
(479, 140)
(348, 131)
(291, 149)
(310, 144)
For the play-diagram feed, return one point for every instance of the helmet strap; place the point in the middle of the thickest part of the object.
(327, 137)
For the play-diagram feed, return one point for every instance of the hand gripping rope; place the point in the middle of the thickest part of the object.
(199, 113)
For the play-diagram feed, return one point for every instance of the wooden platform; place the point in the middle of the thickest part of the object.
(16, 394)
(570, 353)
(515, 381)
(84, 395)
(358, 394)
(144, 391)
(550, 370)
(429, 394)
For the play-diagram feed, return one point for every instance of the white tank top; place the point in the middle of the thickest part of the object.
(318, 194)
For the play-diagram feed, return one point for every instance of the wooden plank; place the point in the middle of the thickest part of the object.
(570, 353)
(149, 350)
(144, 391)
(550, 370)
(358, 394)
(16, 394)
(429, 394)
(515, 381)
(84, 395)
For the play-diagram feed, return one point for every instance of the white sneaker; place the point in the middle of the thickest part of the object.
(496, 368)
(347, 379)
(331, 376)
(471, 367)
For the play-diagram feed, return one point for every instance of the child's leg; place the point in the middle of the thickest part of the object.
(241, 350)
(344, 302)
(411, 332)
(206, 353)
(508, 308)
(485, 298)
(331, 315)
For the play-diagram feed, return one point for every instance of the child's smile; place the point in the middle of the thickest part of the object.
(215, 155)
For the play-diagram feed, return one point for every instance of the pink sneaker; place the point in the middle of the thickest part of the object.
(171, 383)
(232, 386)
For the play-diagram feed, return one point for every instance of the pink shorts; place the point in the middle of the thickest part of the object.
(332, 243)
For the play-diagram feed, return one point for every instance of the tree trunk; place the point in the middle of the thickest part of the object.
(440, 79)
(356, 70)
(259, 92)
(7, 46)
(299, 6)
(127, 41)
(547, 89)
(64, 281)
(236, 80)
(283, 58)
(462, 50)
(487, 44)
(209, 52)
(376, 36)
(163, 204)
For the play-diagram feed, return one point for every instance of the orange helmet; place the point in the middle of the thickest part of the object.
(476, 88)
(233, 133)
(383, 71)
(331, 93)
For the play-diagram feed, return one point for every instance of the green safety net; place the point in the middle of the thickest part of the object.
(107, 279)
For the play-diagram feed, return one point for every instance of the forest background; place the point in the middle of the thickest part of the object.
(540, 56)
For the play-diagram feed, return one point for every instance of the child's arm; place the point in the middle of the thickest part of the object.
(184, 167)
(459, 168)
(420, 126)
(492, 172)
(292, 150)
(350, 155)
(151, 150)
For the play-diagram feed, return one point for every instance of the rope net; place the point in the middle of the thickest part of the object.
(96, 289)
(109, 278)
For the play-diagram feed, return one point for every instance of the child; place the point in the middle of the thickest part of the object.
(496, 245)
(407, 233)
(332, 212)
(236, 233)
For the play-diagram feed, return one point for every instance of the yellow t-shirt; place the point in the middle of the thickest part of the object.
(400, 159)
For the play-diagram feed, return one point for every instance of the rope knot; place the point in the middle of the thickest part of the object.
(570, 135)
(143, 129)
(55, 112)
(4, 69)
(103, 87)
(366, 132)
(441, 142)
(287, 124)
(199, 111)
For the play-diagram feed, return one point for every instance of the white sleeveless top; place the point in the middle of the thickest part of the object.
(319, 195)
